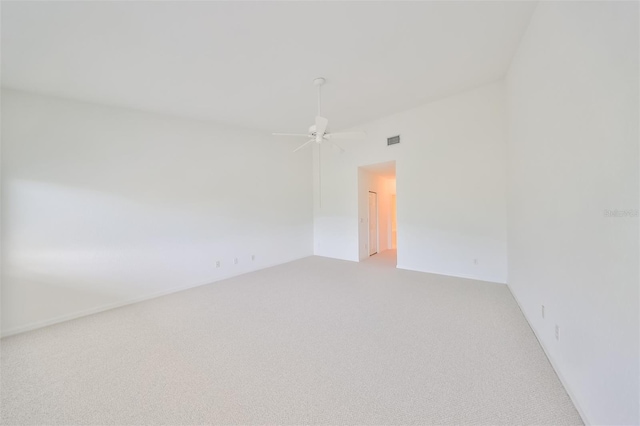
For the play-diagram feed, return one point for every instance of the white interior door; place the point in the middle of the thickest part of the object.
(373, 223)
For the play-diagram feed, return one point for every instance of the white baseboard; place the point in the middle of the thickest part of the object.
(581, 412)
(468, 277)
(78, 314)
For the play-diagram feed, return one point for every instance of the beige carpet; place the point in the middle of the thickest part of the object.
(316, 341)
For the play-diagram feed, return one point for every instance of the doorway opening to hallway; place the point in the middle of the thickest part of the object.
(377, 236)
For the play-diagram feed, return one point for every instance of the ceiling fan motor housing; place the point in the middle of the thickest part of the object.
(314, 134)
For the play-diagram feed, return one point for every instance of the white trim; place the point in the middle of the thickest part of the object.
(581, 412)
(467, 277)
(67, 317)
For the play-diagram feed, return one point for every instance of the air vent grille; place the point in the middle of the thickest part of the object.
(393, 140)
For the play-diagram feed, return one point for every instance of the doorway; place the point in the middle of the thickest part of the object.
(373, 223)
(377, 213)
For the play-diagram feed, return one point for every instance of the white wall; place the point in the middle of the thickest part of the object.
(104, 205)
(450, 170)
(573, 153)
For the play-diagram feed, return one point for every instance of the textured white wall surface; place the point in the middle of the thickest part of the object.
(572, 157)
(451, 186)
(102, 206)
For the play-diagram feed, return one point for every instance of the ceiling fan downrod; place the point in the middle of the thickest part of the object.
(319, 82)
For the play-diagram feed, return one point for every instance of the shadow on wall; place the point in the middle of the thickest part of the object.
(70, 250)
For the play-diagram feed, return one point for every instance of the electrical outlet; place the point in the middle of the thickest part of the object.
(235, 261)
(217, 263)
(557, 332)
(475, 261)
(253, 257)
(543, 311)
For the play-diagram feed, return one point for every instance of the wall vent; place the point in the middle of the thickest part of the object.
(393, 140)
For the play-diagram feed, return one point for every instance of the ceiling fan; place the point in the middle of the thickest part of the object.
(318, 132)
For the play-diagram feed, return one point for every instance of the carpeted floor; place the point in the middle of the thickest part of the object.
(315, 341)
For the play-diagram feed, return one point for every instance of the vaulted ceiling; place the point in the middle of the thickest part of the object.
(252, 63)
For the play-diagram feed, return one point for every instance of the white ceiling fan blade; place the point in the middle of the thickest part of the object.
(300, 135)
(346, 135)
(303, 145)
(321, 125)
